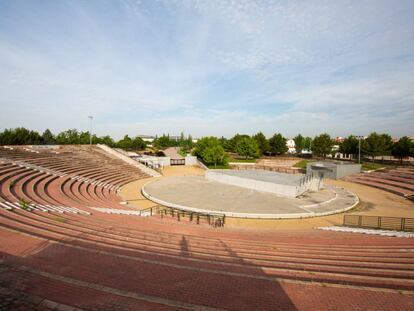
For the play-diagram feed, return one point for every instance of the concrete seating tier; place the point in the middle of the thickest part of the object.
(120, 211)
(42, 208)
(113, 260)
(75, 176)
(167, 264)
(279, 162)
(399, 181)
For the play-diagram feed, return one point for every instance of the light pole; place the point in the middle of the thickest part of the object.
(90, 130)
(359, 148)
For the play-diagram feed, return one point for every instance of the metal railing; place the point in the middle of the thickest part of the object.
(177, 161)
(379, 222)
(213, 219)
(306, 179)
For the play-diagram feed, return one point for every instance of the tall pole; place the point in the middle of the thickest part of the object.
(90, 130)
(359, 148)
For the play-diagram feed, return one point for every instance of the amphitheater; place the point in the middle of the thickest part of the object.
(77, 233)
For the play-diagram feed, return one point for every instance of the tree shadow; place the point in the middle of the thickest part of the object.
(269, 294)
(204, 283)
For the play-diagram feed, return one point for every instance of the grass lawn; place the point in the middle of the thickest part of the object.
(303, 163)
(369, 166)
(218, 167)
(232, 159)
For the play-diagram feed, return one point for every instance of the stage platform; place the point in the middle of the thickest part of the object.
(281, 184)
(198, 194)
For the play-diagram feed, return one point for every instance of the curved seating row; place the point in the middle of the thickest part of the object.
(215, 259)
(67, 178)
(399, 181)
(120, 259)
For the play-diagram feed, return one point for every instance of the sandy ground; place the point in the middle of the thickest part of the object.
(372, 202)
(131, 192)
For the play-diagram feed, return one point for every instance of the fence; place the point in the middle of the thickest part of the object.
(213, 219)
(379, 222)
(177, 161)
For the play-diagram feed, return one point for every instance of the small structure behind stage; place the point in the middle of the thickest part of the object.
(333, 170)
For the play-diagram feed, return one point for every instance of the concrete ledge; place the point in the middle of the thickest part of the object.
(284, 190)
(130, 161)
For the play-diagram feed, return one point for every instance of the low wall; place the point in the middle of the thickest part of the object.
(289, 191)
(333, 170)
(253, 166)
(191, 160)
(130, 161)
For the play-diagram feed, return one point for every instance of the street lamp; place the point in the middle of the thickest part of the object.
(90, 130)
(359, 148)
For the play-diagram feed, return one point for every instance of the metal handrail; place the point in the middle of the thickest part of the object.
(379, 222)
(215, 219)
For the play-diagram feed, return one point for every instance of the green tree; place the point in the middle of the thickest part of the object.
(247, 147)
(165, 141)
(322, 145)
(84, 138)
(299, 143)
(349, 146)
(231, 144)
(402, 148)
(186, 144)
(125, 143)
(277, 144)
(69, 137)
(262, 142)
(106, 140)
(377, 145)
(210, 151)
(307, 143)
(48, 138)
(138, 143)
(387, 144)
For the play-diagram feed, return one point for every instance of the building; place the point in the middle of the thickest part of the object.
(147, 138)
(290, 143)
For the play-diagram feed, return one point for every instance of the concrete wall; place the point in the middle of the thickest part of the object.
(348, 169)
(278, 189)
(130, 161)
(191, 160)
(333, 170)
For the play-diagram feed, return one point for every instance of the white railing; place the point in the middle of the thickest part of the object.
(130, 161)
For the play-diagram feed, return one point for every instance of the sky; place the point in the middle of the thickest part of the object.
(208, 67)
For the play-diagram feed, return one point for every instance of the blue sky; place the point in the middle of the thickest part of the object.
(208, 67)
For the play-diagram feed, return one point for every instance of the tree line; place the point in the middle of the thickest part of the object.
(185, 143)
(214, 151)
(23, 136)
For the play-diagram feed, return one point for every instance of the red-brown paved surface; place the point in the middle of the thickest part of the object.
(106, 262)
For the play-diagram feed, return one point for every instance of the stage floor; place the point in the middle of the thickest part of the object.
(196, 193)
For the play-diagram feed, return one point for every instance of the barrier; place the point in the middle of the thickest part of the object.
(379, 222)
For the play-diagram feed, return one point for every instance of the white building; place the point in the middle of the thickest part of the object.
(147, 138)
(290, 143)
